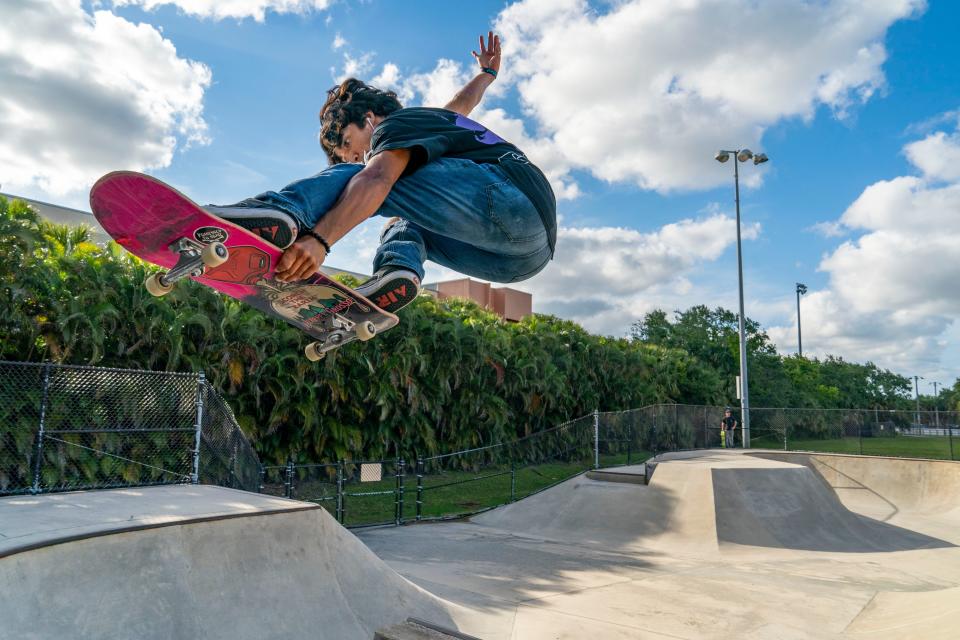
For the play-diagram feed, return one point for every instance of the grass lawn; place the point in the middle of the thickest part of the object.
(448, 494)
(936, 447)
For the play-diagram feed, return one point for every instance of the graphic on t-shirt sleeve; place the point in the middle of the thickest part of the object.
(482, 134)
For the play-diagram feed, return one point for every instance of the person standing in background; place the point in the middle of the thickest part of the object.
(728, 427)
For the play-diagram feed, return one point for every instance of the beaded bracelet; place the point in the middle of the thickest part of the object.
(316, 236)
(492, 72)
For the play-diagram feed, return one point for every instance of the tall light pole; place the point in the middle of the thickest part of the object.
(801, 289)
(741, 155)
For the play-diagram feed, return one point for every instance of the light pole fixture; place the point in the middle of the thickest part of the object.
(801, 289)
(741, 155)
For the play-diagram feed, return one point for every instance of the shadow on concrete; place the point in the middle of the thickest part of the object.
(577, 535)
(791, 508)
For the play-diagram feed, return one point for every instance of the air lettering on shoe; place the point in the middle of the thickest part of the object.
(402, 291)
(383, 301)
(270, 233)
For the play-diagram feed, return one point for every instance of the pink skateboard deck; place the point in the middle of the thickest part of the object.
(157, 223)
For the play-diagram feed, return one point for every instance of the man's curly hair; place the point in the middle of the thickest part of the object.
(348, 103)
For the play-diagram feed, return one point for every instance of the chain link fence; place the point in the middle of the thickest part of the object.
(66, 428)
(71, 427)
(876, 432)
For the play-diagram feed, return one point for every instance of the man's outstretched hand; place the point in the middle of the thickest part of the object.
(489, 55)
(300, 260)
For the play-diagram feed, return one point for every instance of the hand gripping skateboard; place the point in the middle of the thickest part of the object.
(157, 223)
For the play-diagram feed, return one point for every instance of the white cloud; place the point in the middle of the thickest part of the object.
(354, 66)
(638, 271)
(339, 42)
(239, 9)
(828, 229)
(892, 295)
(388, 78)
(643, 91)
(87, 93)
(937, 156)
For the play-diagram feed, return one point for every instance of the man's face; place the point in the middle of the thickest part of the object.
(727, 414)
(356, 142)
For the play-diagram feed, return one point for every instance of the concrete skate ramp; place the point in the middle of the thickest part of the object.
(789, 507)
(192, 562)
(673, 511)
(885, 488)
(704, 502)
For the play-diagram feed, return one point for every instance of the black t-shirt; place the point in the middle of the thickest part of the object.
(729, 422)
(430, 134)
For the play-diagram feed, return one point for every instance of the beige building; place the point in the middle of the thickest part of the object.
(508, 303)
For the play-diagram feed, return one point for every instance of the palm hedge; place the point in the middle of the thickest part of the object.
(451, 376)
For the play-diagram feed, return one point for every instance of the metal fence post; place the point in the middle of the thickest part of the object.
(859, 435)
(706, 434)
(340, 491)
(786, 427)
(513, 479)
(950, 438)
(398, 520)
(419, 487)
(596, 438)
(201, 387)
(38, 448)
(288, 480)
(263, 478)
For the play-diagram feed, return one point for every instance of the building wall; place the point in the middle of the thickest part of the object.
(506, 302)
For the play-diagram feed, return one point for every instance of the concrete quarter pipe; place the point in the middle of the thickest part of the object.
(192, 562)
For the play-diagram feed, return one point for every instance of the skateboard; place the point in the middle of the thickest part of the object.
(157, 223)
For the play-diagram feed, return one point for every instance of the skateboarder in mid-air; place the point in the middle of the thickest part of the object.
(454, 192)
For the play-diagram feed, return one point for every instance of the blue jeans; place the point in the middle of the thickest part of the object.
(460, 214)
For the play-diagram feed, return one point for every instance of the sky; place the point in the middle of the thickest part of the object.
(622, 103)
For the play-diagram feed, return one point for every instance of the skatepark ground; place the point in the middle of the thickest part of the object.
(719, 544)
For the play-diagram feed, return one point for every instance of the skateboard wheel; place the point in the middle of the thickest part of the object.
(214, 254)
(155, 287)
(365, 330)
(313, 352)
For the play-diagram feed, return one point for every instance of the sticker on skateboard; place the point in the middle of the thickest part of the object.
(157, 223)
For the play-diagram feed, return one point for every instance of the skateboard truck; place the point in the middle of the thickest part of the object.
(315, 351)
(194, 258)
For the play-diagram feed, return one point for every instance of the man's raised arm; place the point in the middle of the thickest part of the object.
(489, 60)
